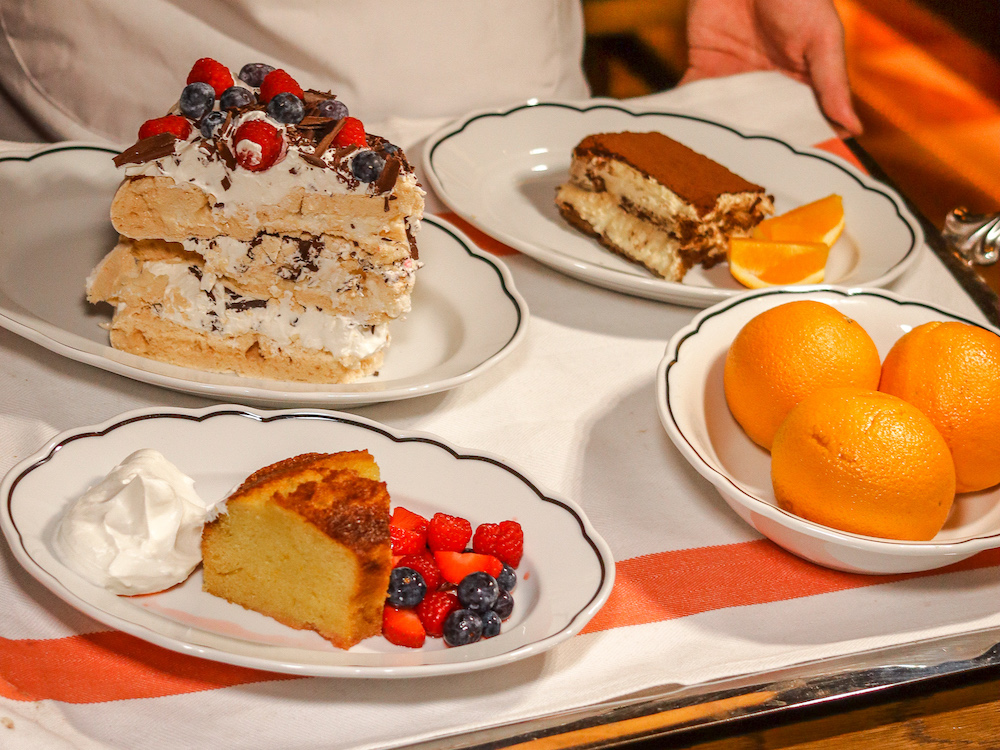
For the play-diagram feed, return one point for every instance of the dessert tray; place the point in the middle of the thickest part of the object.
(499, 170)
(467, 314)
(692, 408)
(564, 578)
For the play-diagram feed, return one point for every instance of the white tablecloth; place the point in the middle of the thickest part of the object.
(574, 407)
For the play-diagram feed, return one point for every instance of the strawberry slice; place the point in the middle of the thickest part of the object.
(457, 565)
(408, 531)
(403, 627)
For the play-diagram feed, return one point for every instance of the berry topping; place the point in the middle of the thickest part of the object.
(332, 108)
(390, 149)
(447, 533)
(235, 97)
(211, 122)
(507, 579)
(423, 563)
(353, 133)
(286, 108)
(491, 624)
(175, 124)
(197, 100)
(478, 591)
(253, 74)
(366, 167)
(504, 604)
(504, 540)
(433, 610)
(403, 627)
(462, 627)
(457, 565)
(406, 588)
(408, 531)
(257, 145)
(279, 82)
(212, 72)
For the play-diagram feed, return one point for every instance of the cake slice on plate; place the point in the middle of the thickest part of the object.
(657, 202)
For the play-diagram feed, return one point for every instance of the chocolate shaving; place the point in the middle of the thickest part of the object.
(312, 96)
(314, 160)
(387, 179)
(148, 149)
(315, 121)
(327, 139)
(227, 156)
(226, 183)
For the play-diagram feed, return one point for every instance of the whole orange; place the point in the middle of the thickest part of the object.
(783, 354)
(951, 372)
(865, 462)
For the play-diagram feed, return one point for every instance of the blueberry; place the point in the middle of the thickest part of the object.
(367, 166)
(390, 149)
(406, 587)
(507, 578)
(197, 100)
(236, 96)
(504, 604)
(286, 108)
(211, 122)
(332, 108)
(478, 591)
(253, 74)
(461, 627)
(491, 624)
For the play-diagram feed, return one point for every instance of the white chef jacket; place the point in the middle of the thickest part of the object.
(96, 69)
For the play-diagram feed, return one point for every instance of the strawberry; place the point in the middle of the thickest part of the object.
(175, 124)
(353, 133)
(423, 563)
(408, 531)
(403, 627)
(278, 82)
(212, 72)
(448, 533)
(457, 565)
(258, 145)
(433, 610)
(504, 540)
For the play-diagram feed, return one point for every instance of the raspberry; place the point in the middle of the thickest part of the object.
(175, 124)
(504, 540)
(433, 610)
(279, 82)
(257, 145)
(403, 627)
(448, 533)
(212, 72)
(406, 542)
(353, 133)
(423, 563)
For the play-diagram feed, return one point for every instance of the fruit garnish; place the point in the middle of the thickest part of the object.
(286, 108)
(253, 74)
(197, 100)
(462, 627)
(819, 221)
(235, 97)
(503, 540)
(423, 562)
(759, 263)
(478, 591)
(457, 565)
(433, 610)
(408, 531)
(448, 533)
(403, 627)
(332, 108)
(279, 82)
(406, 588)
(175, 124)
(353, 133)
(257, 145)
(212, 72)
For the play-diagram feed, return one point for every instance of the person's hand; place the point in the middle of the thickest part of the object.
(802, 38)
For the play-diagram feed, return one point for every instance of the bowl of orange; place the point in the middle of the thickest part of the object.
(846, 475)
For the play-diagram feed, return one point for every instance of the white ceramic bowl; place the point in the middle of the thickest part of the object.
(693, 409)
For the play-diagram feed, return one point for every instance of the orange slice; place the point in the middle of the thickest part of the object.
(761, 263)
(819, 221)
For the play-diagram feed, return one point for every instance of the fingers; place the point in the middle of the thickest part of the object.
(828, 75)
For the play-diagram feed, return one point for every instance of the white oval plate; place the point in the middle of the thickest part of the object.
(693, 410)
(500, 170)
(467, 314)
(564, 577)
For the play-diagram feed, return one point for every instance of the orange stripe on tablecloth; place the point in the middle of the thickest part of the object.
(483, 240)
(109, 666)
(668, 585)
(838, 148)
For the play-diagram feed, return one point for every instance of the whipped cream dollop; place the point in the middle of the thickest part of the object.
(138, 530)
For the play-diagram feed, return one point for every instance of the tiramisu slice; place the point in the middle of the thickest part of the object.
(657, 202)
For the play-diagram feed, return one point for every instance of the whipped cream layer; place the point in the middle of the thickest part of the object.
(138, 530)
(220, 311)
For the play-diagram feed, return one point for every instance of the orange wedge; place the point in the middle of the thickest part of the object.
(761, 263)
(819, 221)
